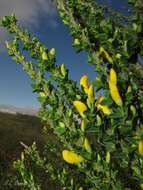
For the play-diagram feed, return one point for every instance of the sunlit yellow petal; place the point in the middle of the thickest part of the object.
(106, 110)
(80, 106)
(71, 157)
(140, 147)
(115, 94)
(113, 76)
(84, 81)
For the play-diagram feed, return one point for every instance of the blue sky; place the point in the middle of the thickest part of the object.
(42, 20)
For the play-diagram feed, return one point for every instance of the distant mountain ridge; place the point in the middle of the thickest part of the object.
(15, 110)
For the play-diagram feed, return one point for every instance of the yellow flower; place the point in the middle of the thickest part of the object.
(87, 145)
(71, 157)
(108, 57)
(115, 94)
(44, 56)
(106, 110)
(140, 147)
(84, 82)
(81, 188)
(80, 107)
(113, 76)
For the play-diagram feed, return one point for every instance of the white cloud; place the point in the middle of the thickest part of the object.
(28, 12)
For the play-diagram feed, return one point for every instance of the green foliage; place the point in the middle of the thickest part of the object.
(102, 137)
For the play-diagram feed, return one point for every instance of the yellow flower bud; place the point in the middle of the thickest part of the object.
(44, 56)
(90, 93)
(71, 157)
(88, 102)
(129, 89)
(78, 97)
(108, 57)
(80, 107)
(71, 181)
(113, 76)
(84, 82)
(133, 110)
(115, 94)
(83, 124)
(61, 124)
(87, 145)
(52, 51)
(22, 156)
(81, 188)
(76, 41)
(98, 119)
(105, 109)
(42, 94)
(98, 157)
(63, 71)
(118, 55)
(108, 157)
(140, 147)
(7, 45)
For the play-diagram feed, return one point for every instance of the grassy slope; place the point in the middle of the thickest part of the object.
(16, 128)
(13, 129)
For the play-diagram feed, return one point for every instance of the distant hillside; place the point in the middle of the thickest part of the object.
(14, 110)
(15, 128)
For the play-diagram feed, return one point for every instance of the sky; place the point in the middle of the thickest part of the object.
(40, 17)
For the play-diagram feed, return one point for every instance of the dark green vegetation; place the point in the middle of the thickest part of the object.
(13, 130)
(17, 128)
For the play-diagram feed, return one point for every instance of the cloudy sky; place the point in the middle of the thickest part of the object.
(41, 19)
